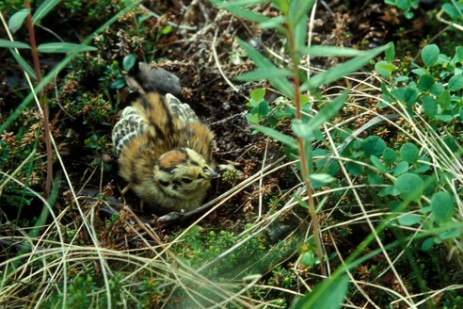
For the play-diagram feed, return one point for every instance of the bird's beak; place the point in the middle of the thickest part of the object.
(213, 174)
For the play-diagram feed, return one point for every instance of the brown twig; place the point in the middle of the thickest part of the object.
(43, 101)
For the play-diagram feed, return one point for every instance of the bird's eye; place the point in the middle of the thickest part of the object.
(186, 180)
(163, 183)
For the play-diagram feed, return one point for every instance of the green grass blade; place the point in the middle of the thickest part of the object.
(44, 9)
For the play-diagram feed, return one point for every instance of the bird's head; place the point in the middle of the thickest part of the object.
(183, 173)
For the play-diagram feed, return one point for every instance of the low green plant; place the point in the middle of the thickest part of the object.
(431, 93)
(291, 22)
(407, 6)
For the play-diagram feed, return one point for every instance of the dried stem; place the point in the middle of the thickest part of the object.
(43, 102)
(301, 146)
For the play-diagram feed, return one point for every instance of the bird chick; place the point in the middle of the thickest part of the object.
(164, 153)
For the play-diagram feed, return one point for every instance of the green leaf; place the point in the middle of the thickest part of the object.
(385, 68)
(274, 22)
(390, 52)
(263, 73)
(128, 62)
(373, 146)
(409, 152)
(456, 83)
(329, 294)
(410, 186)
(13, 44)
(258, 94)
(410, 219)
(300, 32)
(23, 63)
(302, 129)
(430, 54)
(281, 83)
(374, 179)
(354, 168)
(323, 178)
(427, 244)
(299, 9)
(43, 10)
(443, 206)
(328, 111)
(400, 168)
(59, 47)
(445, 99)
(307, 259)
(166, 29)
(459, 53)
(283, 138)
(378, 164)
(425, 82)
(429, 105)
(237, 8)
(450, 10)
(437, 89)
(406, 95)
(332, 51)
(343, 69)
(308, 129)
(17, 19)
(389, 155)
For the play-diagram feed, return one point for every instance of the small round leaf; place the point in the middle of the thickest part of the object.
(409, 152)
(410, 219)
(128, 62)
(389, 155)
(373, 145)
(430, 54)
(425, 82)
(429, 105)
(410, 186)
(442, 206)
(456, 83)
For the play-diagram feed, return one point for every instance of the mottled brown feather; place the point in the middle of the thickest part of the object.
(165, 152)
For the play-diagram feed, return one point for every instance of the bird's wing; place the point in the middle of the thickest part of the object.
(129, 125)
(181, 111)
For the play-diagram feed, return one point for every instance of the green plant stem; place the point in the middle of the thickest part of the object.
(302, 154)
(43, 102)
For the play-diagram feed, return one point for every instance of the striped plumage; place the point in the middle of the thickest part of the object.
(164, 152)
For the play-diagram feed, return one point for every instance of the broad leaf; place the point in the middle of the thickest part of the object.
(410, 186)
(430, 54)
(442, 206)
(17, 19)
